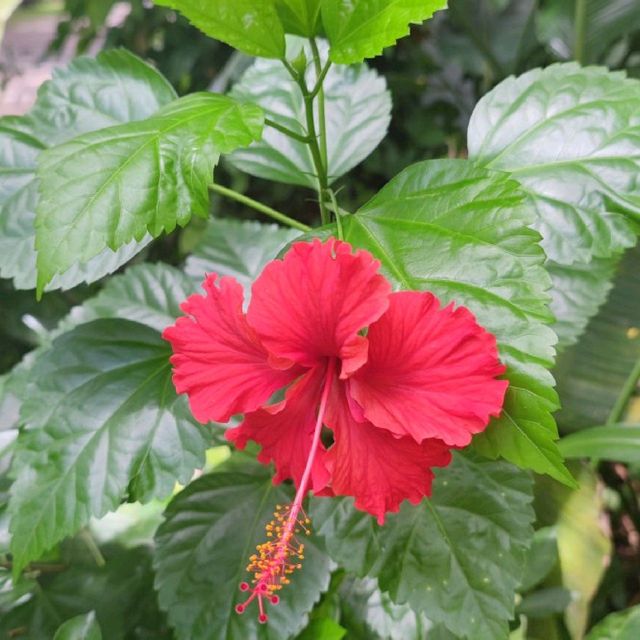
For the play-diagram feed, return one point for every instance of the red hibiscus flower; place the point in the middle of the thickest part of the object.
(395, 378)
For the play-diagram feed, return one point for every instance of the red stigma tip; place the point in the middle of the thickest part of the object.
(275, 599)
(244, 586)
(263, 587)
(262, 618)
(239, 608)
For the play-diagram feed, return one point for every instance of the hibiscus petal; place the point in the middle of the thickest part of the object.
(285, 432)
(376, 467)
(430, 372)
(311, 305)
(218, 360)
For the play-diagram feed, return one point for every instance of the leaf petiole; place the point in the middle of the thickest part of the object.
(258, 206)
(287, 132)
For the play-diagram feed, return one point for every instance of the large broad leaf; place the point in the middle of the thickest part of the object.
(460, 231)
(146, 177)
(624, 625)
(249, 25)
(94, 93)
(588, 381)
(360, 29)
(605, 22)
(150, 294)
(89, 94)
(102, 420)
(238, 249)
(211, 529)
(357, 114)
(457, 557)
(571, 137)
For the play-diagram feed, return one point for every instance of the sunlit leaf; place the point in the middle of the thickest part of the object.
(461, 231)
(146, 177)
(571, 137)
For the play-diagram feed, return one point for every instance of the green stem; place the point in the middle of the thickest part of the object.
(321, 75)
(287, 132)
(317, 143)
(321, 110)
(258, 206)
(624, 396)
(580, 20)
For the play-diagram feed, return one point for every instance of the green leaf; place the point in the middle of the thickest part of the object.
(457, 557)
(623, 625)
(369, 613)
(253, 27)
(150, 294)
(73, 463)
(357, 114)
(89, 94)
(359, 29)
(620, 443)
(460, 230)
(301, 17)
(238, 249)
(146, 177)
(82, 627)
(211, 529)
(578, 291)
(95, 93)
(571, 137)
(605, 22)
(588, 382)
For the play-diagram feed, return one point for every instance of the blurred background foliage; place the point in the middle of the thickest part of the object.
(585, 562)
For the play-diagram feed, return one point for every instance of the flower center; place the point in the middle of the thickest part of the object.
(278, 557)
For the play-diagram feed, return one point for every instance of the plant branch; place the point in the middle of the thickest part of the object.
(320, 73)
(624, 396)
(287, 132)
(258, 206)
(580, 22)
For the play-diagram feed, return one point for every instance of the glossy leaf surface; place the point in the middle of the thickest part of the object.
(89, 94)
(460, 231)
(457, 557)
(138, 437)
(210, 530)
(357, 115)
(146, 177)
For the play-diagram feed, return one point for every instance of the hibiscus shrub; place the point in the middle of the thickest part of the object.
(307, 430)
